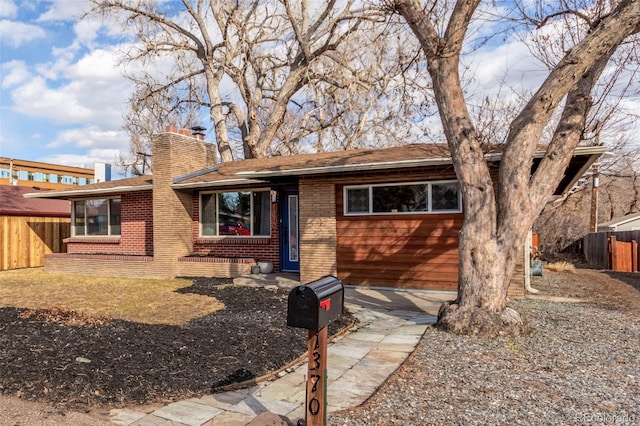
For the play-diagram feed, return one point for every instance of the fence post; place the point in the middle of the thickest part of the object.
(634, 256)
(612, 253)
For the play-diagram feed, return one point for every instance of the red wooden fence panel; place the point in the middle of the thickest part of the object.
(623, 256)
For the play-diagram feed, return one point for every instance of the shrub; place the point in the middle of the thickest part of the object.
(560, 267)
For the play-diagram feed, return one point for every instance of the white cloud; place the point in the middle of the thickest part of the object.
(511, 61)
(64, 10)
(92, 90)
(53, 70)
(15, 73)
(92, 137)
(86, 160)
(98, 65)
(8, 9)
(60, 105)
(17, 33)
(87, 30)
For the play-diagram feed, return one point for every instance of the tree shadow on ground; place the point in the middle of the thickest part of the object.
(631, 278)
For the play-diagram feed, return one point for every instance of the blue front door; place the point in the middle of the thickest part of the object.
(289, 235)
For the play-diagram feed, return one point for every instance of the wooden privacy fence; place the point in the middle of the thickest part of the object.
(623, 256)
(24, 240)
(617, 251)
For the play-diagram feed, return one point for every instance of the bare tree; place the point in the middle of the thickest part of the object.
(250, 64)
(497, 220)
(376, 97)
(564, 222)
(145, 119)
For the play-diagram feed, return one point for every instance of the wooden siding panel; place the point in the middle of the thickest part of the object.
(398, 250)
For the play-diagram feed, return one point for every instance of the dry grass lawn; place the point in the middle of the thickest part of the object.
(560, 267)
(148, 301)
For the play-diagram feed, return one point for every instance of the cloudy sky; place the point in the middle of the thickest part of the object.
(63, 95)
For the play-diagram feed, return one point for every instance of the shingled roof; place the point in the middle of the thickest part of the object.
(260, 170)
(13, 203)
(137, 183)
(326, 162)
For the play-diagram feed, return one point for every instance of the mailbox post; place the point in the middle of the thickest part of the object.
(313, 306)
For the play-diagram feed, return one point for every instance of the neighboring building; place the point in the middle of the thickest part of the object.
(49, 176)
(30, 228)
(385, 217)
(630, 222)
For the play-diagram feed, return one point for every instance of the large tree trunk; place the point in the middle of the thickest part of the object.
(216, 112)
(495, 225)
(486, 259)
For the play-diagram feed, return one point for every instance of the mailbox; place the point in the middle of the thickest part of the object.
(314, 305)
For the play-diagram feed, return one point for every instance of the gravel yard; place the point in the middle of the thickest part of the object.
(580, 365)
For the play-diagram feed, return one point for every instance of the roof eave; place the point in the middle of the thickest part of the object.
(26, 213)
(218, 183)
(594, 151)
(347, 168)
(619, 222)
(89, 192)
(593, 157)
(579, 150)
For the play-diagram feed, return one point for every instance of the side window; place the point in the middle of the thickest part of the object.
(357, 200)
(445, 197)
(418, 197)
(97, 216)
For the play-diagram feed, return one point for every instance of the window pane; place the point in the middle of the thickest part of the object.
(97, 216)
(400, 198)
(115, 216)
(445, 196)
(234, 213)
(261, 213)
(358, 200)
(293, 236)
(208, 218)
(78, 214)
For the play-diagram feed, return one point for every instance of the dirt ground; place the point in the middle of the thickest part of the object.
(56, 364)
(605, 289)
(64, 368)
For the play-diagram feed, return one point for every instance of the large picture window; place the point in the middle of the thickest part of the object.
(100, 216)
(241, 213)
(420, 197)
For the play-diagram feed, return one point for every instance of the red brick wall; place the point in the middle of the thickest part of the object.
(125, 266)
(136, 230)
(261, 249)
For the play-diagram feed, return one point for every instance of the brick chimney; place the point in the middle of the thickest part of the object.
(175, 153)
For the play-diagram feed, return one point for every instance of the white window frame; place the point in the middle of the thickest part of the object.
(109, 231)
(428, 184)
(217, 214)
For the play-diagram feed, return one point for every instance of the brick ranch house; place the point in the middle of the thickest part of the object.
(373, 217)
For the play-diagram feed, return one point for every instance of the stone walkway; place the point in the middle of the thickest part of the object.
(391, 324)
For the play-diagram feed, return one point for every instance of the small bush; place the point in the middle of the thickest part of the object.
(560, 267)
